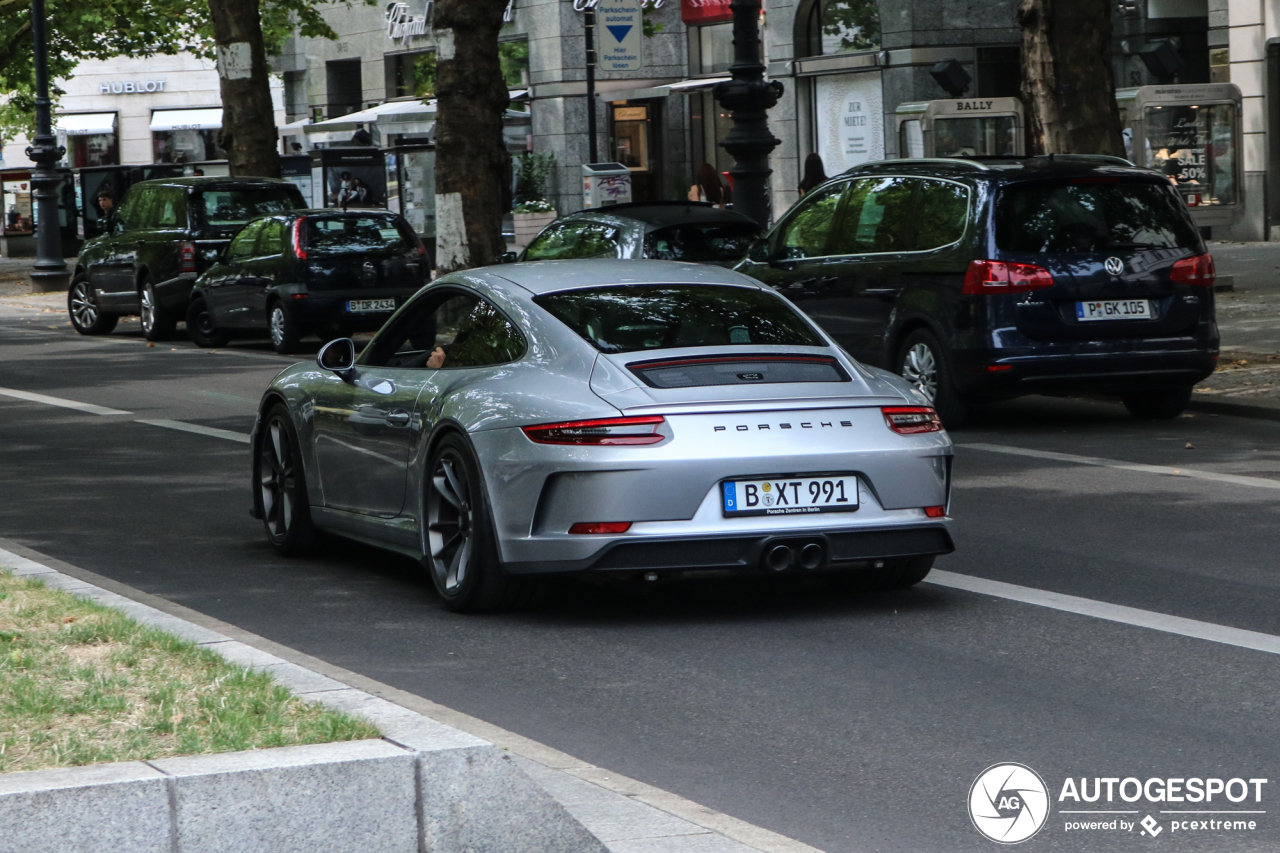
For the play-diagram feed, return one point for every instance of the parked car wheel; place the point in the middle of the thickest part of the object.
(923, 362)
(463, 553)
(201, 328)
(82, 306)
(1159, 404)
(158, 322)
(282, 486)
(285, 333)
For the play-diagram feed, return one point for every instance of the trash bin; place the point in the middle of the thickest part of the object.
(604, 184)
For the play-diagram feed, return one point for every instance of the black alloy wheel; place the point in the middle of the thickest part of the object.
(82, 306)
(923, 362)
(462, 551)
(282, 486)
(1158, 404)
(201, 328)
(285, 333)
(158, 322)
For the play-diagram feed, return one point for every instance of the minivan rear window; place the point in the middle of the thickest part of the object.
(630, 318)
(237, 206)
(1092, 215)
(341, 235)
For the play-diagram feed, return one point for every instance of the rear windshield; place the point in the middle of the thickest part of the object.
(704, 244)
(645, 317)
(238, 206)
(340, 235)
(1092, 215)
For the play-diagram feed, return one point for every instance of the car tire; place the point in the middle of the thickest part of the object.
(285, 333)
(201, 328)
(280, 485)
(901, 573)
(158, 322)
(1158, 404)
(924, 363)
(462, 556)
(82, 307)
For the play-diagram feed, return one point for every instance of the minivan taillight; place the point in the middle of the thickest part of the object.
(987, 277)
(188, 257)
(300, 239)
(1197, 270)
(602, 431)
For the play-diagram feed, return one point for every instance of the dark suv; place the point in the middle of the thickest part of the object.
(983, 280)
(164, 234)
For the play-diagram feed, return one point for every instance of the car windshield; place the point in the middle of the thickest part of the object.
(706, 244)
(340, 235)
(644, 317)
(1092, 215)
(238, 206)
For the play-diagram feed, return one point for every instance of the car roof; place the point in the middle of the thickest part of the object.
(338, 212)
(207, 182)
(1005, 169)
(662, 213)
(548, 276)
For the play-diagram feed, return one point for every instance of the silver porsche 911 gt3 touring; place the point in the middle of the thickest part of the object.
(603, 417)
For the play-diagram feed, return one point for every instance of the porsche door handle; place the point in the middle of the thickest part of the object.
(398, 419)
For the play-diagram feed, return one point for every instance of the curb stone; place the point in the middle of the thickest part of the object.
(465, 792)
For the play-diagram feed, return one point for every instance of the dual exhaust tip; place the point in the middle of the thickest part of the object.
(810, 555)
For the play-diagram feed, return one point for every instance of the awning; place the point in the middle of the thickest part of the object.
(374, 115)
(208, 119)
(683, 87)
(293, 128)
(85, 124)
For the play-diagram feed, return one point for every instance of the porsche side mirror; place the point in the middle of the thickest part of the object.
(507, 258)
(339, 357)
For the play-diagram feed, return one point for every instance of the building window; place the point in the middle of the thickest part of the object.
(514, 56)
(100, 149)
(840, 26)
(715, 48)
(295, 95)
(999, 72)
(186, 146)
(631, 136)
(346, 93)
(411, 74)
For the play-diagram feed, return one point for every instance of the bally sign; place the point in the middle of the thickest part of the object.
(696, 12)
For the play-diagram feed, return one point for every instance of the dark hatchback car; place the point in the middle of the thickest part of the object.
(163, 235)
(666, 231)
(327, 272)
(984, 280)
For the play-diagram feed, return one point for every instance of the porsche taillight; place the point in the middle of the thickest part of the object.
(600, 432)
(911, 420)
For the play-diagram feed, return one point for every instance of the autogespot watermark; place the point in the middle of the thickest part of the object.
(1009, 803)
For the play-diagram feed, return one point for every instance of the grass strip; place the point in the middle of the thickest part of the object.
(81, 683)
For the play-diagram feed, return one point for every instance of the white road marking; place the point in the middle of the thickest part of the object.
(1180, 625)
(1235, 479)
(60, 402)
(182, 426)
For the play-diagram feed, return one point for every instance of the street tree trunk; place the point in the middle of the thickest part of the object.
(248, 120)
(473, 169)
(1068, 86)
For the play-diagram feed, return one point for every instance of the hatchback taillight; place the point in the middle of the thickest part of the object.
(911, 420)
(188, 257)
(988, 277)
(1197, 270)
(300, 239)
(602, 431)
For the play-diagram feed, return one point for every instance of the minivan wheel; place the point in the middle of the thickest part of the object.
(1158, 404)
(82, 306)
(284, 329)
(201, 328)
(923, 362)
(158, 322)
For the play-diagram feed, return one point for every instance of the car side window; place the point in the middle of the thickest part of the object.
(806, 234)
(568, 241)
(454, 330)
(245, 243)
(171, 208)
(138, 214)
(271, 239)
(941, 213)
(878, 217)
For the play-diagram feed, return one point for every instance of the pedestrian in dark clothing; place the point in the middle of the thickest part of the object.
(708, 186)
(814, 174)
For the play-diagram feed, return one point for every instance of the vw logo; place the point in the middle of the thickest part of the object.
(370, 268)
(1008, 803)
(1115, 266)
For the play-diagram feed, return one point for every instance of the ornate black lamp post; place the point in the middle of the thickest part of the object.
(749, 96)
(50, 272)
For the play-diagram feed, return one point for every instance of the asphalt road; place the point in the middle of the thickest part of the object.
(850, 722)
